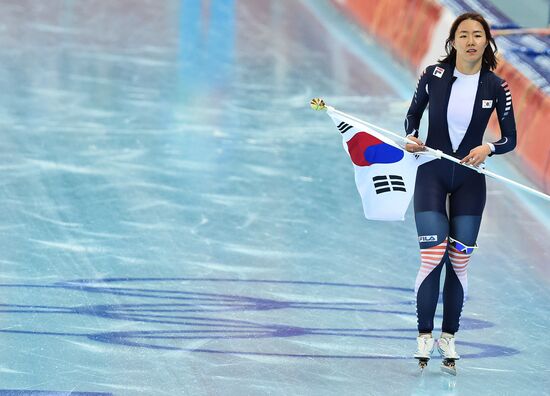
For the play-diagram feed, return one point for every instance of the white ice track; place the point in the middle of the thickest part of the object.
(175, 220)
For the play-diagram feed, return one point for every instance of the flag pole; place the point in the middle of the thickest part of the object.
(319, 104)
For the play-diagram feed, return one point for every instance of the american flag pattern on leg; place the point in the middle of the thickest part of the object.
(460, 261)
(431, 258)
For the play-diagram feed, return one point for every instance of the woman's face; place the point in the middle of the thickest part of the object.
(470, 41)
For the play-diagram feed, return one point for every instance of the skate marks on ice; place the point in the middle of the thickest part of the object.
(262, 318)
(435, 383)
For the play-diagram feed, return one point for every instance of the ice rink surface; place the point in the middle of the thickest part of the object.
(175, 220)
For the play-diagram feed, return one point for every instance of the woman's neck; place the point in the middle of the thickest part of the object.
(467, 67)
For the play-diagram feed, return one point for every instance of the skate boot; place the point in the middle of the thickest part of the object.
(446, 347)
(424, 351)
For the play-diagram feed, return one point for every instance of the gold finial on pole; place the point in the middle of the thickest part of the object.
(318, 104)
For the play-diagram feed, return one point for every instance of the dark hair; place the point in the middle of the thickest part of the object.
(489, 59)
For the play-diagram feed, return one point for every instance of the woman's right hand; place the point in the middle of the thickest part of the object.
(413, 148)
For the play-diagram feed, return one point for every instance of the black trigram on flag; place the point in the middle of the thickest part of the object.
(384, 184)
(343, 127)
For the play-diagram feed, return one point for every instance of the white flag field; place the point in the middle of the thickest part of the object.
(385, 174)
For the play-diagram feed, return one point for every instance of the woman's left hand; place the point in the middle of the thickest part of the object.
(477, 155)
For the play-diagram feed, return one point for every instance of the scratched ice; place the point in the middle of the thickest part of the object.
(176, 220)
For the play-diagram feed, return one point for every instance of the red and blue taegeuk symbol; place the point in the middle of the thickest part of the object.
(366, 150)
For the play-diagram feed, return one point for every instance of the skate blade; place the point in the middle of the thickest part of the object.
(448, 370)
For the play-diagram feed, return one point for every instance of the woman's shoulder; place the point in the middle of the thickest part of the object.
(494, 78)
(436, 69)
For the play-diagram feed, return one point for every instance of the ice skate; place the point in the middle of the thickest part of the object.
(446, 347)
(424, 350)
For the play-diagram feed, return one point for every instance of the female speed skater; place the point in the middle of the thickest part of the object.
(462, 92)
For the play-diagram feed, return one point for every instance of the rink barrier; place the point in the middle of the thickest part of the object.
(407, 28)
(403, 26)
(532, 112)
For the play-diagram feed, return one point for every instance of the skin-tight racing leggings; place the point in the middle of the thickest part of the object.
(437, 233)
